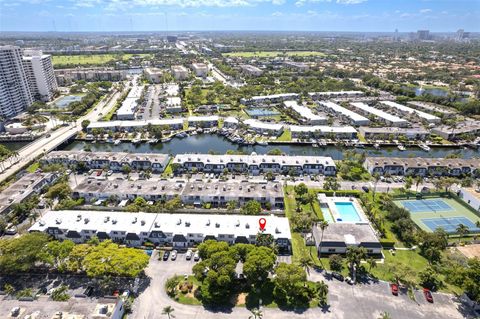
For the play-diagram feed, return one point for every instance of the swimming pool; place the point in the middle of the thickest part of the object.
(259, 112)
(65, 101)
(347, 212)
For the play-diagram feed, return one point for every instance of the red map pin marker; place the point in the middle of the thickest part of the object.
(262, 222)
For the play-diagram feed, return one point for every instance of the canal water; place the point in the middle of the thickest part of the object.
(217, 144)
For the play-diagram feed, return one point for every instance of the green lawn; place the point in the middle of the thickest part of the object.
(272, 54)
(285, 137)
(32, 168)
(93, 59)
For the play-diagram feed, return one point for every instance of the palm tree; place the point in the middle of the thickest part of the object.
(256, 314)
(305, 262)
(418, 181)
(323, 225)
(462, 230)
(385, 315)
(372, 263)
(354, 256)
(376, 178)
(322, 292)
(168, 310)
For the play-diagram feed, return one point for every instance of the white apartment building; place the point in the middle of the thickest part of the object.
(250, 70)
(179, 72)
(381, 115)
(179, 230)
(15, 94)
(200, 69)
(39, 70)
(354, 118)
(304, 113)
(409, 111)
(153, 75)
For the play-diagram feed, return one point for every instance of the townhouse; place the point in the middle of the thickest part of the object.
(22, 189)
(178, 230)
(390, 133)
(354, 118)
(385, 117)
(109, 160)
(273, 98)
(423, 166)
(256, 164)
(322, 131)
(335, 94)
(405, 110)
(203, 121)
(304, 113)
(172, 124)
(263, 128)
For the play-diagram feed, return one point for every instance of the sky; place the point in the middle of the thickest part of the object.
(269, 15)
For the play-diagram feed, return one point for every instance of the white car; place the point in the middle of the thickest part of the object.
(188, 255)
(196, 257)
(173, 256)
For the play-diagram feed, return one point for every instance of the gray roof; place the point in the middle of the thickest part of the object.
(346, 233)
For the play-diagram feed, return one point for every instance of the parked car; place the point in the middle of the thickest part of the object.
(428, 295)
(425, 189)
(109, 173)
(196, 257)
(365, 189)
(99, 173)
(394, 289)
(349, 280)
(89, 291)
(166, 254)
(188, 255)
(174, 255)
(337, 276)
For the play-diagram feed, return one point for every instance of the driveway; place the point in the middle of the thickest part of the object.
(360, 301)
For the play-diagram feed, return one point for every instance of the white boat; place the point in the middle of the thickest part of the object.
(153, 141)
(117, 142)
(376, 146)
(263, 143)
(136, 141)
(401, 147)
(424, 147)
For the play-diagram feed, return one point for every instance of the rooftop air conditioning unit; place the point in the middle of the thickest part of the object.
(217, 225)
(247, 225)
(86, 220)
(208, 222)
(142, 222)
(179, 222)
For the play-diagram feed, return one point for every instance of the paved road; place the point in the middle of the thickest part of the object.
(44, 144)
(360, 301)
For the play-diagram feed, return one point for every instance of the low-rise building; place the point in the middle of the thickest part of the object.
(153, 75)
(129, 106)
(172, 124)
(109, 160)
(256, 164)
(66, 77)
(297, 66)
(422, 166)
(459, 131)
(203, 121)
(471, 196)
(323, 131)
(337, 237)
(381, 115)
(179, 72)
(391, 133)
(250, 70)
(335, 94)
(230, 122)
(304, 113)
(409, 111)
(433, 108)
(200, 69)
(273, 98)
(173, 104)
(22, 189)
(264, 128)
(178, 230)
(354, 118)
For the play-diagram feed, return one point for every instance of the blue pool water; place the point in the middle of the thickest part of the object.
(258, 112)
(65, 101)
(347, 212)
(327, 215)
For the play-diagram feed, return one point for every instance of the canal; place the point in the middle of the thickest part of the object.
(205, 143)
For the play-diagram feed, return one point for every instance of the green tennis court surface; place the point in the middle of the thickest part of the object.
(432, 213)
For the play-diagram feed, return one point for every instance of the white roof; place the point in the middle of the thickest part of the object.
(120, 124)
(274, 96)
(335, 93)
(323, 129)
(129, 105)
(304, 111)
(379, 113)
(403, 108)
(231, 119)
(175, 224)
(340, 109)
(173, 101)
(211, 118)
(263, 125)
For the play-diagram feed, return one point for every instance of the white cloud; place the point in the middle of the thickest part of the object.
(425, 10)
(277, 14)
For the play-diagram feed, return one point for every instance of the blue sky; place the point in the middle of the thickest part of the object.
(308, 15)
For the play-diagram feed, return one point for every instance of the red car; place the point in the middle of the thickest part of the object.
(428, 295)
(394, 289)
(99, 173)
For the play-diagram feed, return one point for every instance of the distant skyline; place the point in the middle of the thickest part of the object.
(268, 15)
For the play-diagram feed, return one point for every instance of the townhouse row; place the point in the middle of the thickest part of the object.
(178, 230)
(423, 166)
(196, 193)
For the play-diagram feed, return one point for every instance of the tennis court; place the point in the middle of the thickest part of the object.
(426, 205)
(447, 213)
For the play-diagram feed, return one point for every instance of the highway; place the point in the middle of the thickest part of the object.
(57, 137)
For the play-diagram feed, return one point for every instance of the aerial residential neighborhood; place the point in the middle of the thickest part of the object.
(239, 159)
